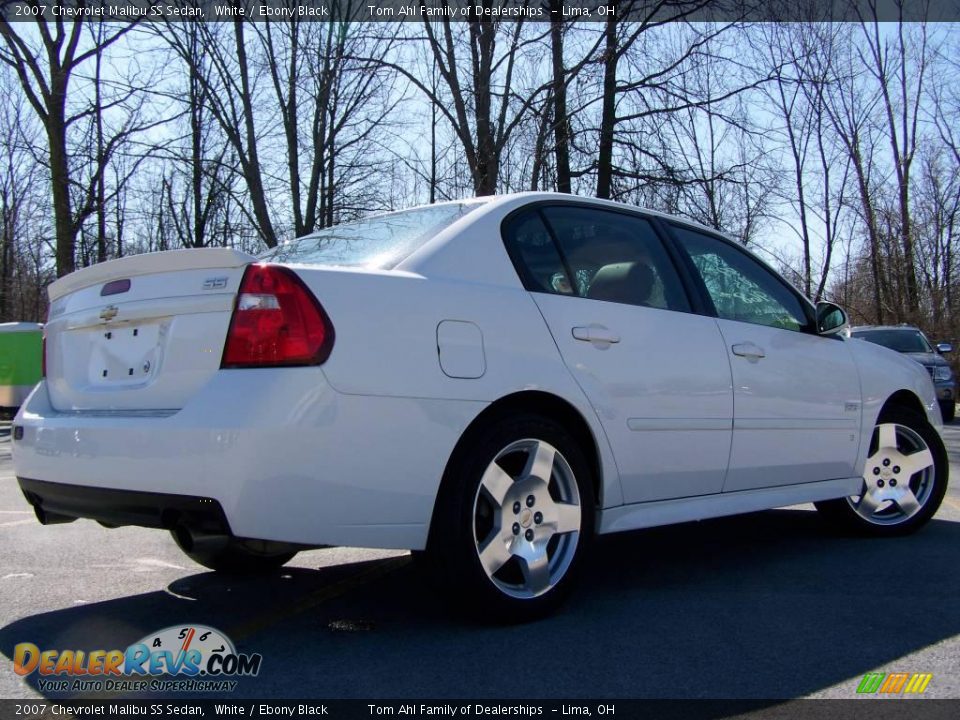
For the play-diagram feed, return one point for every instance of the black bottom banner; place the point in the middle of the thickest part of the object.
(863, 708)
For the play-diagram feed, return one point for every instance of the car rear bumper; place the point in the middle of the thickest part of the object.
(281, 454)
(62, 502)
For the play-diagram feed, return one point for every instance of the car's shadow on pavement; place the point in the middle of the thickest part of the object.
(769, 605)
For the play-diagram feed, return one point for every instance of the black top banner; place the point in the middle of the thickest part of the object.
(650, 11)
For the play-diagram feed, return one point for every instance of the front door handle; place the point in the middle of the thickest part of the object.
(596, 334)
(749, 351)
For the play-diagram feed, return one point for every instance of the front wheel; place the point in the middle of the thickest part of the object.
(904, 478)
(514, 517)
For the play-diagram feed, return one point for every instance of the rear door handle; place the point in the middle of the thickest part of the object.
(596, 334)
(749, 351)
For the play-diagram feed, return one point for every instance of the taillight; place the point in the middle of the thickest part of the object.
(276, 321)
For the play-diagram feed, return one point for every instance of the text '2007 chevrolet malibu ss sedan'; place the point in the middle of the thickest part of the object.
(493, 381)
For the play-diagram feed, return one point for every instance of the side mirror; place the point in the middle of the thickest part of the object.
(831, 318)
(943, 348)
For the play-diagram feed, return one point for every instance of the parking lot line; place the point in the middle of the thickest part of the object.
(12, 523)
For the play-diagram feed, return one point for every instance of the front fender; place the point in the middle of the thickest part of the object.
(884, 372)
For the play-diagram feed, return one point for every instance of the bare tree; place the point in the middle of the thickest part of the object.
(483, 104)
(801, 56)
(899, 66)
(45, 71)
(620, 38)
(227, 84)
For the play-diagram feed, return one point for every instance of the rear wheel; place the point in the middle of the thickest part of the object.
(513, 520)
(234, 556)
(904, 478)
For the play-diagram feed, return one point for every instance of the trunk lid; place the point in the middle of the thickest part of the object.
(140, 333)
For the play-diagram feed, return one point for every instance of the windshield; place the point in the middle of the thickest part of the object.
(905, 341)
(379, 242)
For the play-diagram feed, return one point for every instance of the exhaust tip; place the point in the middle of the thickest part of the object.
(191, 540)
(184, 537)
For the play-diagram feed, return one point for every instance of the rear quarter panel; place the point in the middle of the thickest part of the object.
(386, 333)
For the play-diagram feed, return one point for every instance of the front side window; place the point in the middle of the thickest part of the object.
(741, 288)
(379, 242)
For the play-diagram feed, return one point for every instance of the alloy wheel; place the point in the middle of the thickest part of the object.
(527, 518)
(898, 476)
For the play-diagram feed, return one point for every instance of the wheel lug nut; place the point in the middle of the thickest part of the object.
(879, 483)
(529, 535)
(886, 462)
(893, 482)
(896, 469)
(516, 508)
(516, 528)
(876, 471)
(538, 518)
(530, 500)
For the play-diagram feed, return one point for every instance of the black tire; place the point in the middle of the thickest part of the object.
(842, 513)
(463, 511)
(235, 556)
(948, 410)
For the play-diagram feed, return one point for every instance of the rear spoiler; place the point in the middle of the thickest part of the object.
(148, 264)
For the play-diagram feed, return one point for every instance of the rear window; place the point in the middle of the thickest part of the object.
(379, 242)
(905, 341)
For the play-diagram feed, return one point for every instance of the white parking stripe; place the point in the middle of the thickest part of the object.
(17, 522)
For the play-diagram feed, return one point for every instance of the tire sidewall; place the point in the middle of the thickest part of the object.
(452, 543)
(931, 437)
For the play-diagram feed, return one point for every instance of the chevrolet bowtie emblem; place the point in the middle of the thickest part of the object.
(109, 313)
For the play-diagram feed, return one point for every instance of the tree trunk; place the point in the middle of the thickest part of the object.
(251, 165)
(487, 168)
(608, 119)
(196, 150)
(561, 121)
(101, 191)
(66, 232)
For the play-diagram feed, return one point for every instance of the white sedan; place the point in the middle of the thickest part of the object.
(492, 381)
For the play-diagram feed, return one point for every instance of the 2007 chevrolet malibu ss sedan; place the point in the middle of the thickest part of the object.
(492, 381)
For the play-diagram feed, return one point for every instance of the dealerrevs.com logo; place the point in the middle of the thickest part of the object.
(191, 658)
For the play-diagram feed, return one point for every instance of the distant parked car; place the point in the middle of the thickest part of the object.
(494, 381)
(912, 342)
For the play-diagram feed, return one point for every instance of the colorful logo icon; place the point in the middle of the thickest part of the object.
(894, 683)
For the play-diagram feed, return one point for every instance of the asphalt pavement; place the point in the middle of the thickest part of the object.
(768, 605)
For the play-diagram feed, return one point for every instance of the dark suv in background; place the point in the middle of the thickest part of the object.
(911, 341)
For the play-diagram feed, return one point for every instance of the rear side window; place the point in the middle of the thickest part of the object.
(535, 255)
(593, 254)
(378, 242)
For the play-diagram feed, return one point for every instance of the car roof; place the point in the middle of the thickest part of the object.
(539, 196)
